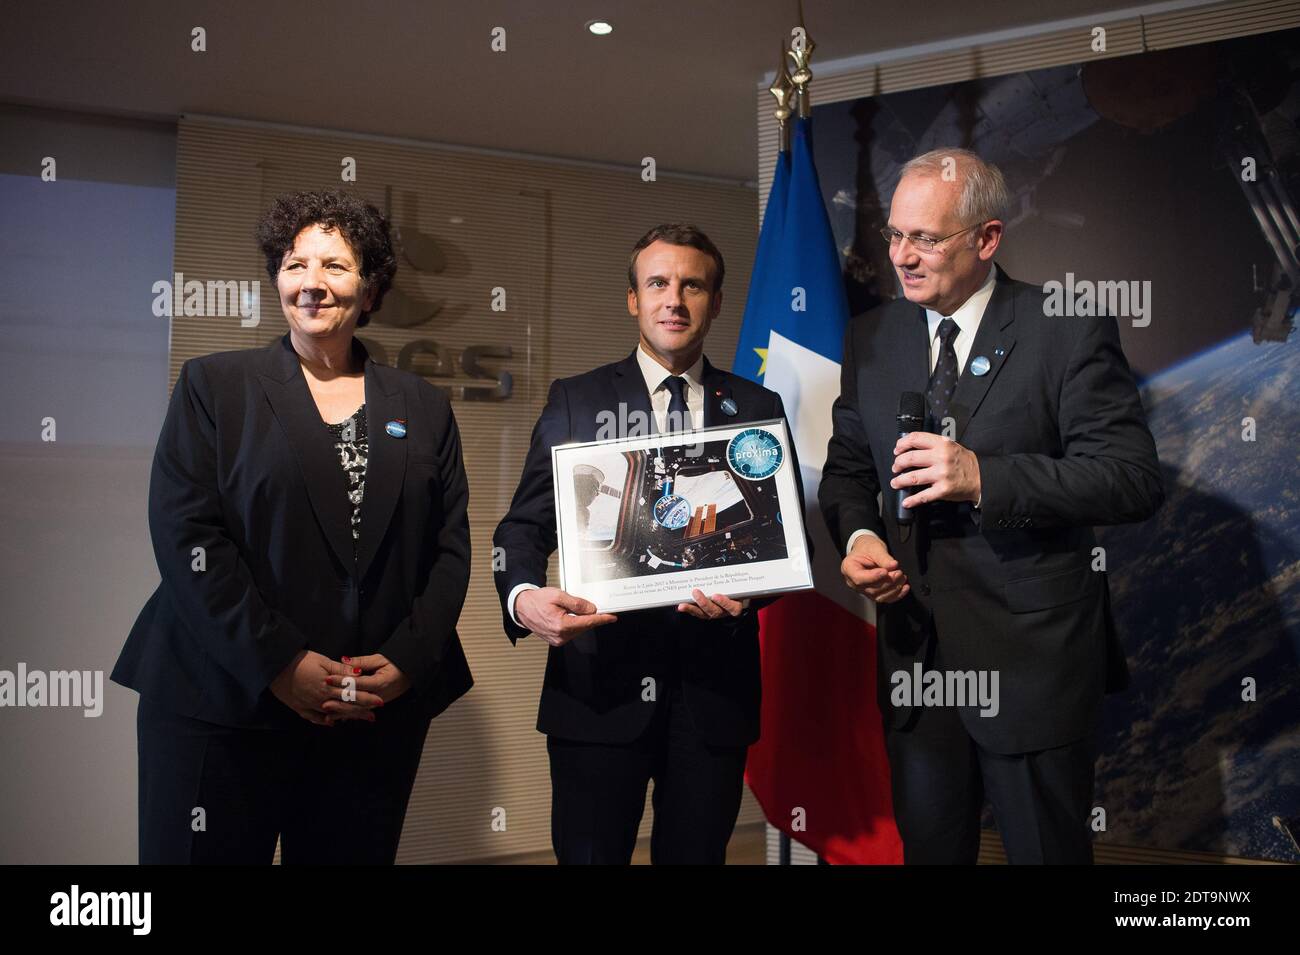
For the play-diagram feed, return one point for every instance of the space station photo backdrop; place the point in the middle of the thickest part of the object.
(1138, 170)
(643, 521)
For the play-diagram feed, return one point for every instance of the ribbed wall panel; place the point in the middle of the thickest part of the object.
(556, 237)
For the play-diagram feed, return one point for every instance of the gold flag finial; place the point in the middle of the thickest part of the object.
(801, 49)
(783, 89)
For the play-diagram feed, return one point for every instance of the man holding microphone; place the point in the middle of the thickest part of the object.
(980, 552)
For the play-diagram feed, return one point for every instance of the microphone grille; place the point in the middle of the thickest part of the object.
(911, 404)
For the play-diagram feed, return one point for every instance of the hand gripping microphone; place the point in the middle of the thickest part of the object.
(911, 417)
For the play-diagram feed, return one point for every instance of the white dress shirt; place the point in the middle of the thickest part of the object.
(655, 375)
(967, 316)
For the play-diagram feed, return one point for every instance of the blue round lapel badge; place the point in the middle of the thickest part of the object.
(729, 407)
(979, 365)
(755, 454)
(396, 428)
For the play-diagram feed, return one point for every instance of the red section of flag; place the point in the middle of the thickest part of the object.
(823, 748)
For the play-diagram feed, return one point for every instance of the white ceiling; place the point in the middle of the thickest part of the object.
(675, 80)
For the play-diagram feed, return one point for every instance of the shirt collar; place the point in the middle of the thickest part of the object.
(655, 373)
(968, 314)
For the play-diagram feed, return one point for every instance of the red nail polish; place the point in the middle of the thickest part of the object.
(356, 669)
(347, 659)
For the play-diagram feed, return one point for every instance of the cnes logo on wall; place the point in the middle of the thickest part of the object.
(462, 372)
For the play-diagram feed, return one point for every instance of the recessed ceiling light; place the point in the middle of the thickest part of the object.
(600, 27)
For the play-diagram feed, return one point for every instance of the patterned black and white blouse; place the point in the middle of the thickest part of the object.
(352, 444)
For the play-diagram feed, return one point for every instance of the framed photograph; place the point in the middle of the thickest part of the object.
(643, 521)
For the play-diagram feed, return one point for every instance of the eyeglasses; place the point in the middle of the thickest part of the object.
(922, 243)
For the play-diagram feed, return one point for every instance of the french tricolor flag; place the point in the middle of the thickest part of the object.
(819, 771)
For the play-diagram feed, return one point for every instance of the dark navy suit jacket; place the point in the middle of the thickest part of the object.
(593, 687)
(246, 470)
(1062, 441)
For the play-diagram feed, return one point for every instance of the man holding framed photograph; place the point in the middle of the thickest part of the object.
(672, 693)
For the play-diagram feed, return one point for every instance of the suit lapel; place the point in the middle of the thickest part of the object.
(636, 414)
(717, 389)
(913, 367)
(904, 364)
(630, 387)
(385, 466)
(993, 341)
(300, 423)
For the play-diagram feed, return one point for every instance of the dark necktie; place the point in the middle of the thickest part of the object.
(939, 392)
(679, 416)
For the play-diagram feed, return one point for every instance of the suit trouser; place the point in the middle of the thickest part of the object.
(330, 794)
(940, 776)
(598, 793)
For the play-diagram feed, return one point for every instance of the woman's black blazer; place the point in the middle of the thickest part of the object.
(250, 521)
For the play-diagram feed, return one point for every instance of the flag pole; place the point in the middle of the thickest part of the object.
(801, 50)
(783, 89)
(786, 87)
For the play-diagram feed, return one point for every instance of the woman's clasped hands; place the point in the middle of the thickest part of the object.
(325, 691)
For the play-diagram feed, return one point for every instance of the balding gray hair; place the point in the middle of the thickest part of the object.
(984, 194)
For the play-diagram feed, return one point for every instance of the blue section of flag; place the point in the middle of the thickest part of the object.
(753, 331)
(796, 250)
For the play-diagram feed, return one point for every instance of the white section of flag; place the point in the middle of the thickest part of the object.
(808, 384)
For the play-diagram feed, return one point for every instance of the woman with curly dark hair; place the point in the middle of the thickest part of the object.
(308, 509)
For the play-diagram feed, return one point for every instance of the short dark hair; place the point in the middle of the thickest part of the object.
(362, 226)
(678, 233)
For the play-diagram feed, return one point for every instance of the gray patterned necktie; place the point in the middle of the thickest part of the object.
(943, 381)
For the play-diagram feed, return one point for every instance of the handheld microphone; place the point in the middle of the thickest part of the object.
(911, 417)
